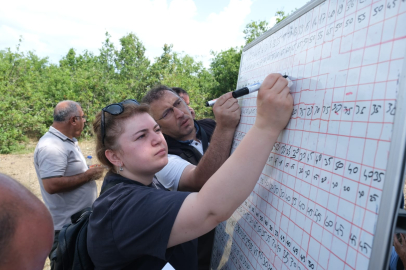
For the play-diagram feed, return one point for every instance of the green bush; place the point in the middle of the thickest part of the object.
(30, 86)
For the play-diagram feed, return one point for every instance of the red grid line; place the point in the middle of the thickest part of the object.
(340, 135)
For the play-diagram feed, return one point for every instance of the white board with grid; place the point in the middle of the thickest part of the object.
(317, 201)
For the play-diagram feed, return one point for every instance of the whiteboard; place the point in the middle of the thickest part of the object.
(317, 204)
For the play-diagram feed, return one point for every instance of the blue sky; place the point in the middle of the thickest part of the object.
(51, 28)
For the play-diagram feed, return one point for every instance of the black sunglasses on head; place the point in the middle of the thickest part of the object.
(114, 109)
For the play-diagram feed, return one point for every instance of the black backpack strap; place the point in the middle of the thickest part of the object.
(75, 217)
(205, 141)
(109, 185)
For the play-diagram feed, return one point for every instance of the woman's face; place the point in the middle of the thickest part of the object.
(143, 148)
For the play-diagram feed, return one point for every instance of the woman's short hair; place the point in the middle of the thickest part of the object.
(113, 125)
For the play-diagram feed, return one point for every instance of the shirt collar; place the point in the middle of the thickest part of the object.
(60, 135)
(188, 142)
(111, 176)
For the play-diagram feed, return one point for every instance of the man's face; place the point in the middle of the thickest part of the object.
(80, 122)
(185, 98)
(174, 117)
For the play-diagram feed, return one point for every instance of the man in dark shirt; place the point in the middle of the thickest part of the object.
(191, 161)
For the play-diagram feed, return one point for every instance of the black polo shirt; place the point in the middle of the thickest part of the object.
(130, 228)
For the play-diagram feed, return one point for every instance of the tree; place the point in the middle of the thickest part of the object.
(225, 66)
(254, 29)
(164, 64)
(181, 70)
(107, 53)
(132, 65)
(280, 15)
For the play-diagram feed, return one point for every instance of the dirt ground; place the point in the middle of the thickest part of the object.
(21, 168)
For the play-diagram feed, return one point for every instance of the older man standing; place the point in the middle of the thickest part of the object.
(191, 161)
(67, 185)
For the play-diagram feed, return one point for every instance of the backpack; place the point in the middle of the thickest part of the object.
(71, 252)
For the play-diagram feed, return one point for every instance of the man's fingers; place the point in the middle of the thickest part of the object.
(230, 103)
(234, 110)
(223, 99)
(235, 107)
(395, 240)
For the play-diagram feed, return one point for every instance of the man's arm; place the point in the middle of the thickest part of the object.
(400, 247)
(237, 177)
(67, 183)
(227, 113)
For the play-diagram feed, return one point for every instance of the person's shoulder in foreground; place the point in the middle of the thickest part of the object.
(26, 232)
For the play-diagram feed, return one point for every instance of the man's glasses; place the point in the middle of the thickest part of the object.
(169, 112)
(80, 117)
(114, 109)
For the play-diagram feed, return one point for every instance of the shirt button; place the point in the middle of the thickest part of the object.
(195, 143)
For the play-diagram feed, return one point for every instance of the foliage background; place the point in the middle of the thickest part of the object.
(31, 86)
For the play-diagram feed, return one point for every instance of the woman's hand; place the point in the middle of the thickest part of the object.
(274, 104)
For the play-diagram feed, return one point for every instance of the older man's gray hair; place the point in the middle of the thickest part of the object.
(65, 109)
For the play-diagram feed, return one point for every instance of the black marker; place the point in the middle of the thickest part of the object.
(246, 90)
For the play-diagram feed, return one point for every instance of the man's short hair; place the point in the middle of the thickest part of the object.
(179, 91)
(156, 93)
(64, 112)
(8, 225)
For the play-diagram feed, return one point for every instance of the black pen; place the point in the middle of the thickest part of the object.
(246, 90)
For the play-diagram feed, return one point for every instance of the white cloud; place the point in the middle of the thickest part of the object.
(272, 21)
(51, 29)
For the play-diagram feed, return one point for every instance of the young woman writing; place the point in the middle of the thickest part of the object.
(134, 225)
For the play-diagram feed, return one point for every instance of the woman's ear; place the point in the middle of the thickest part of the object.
(113, 157)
